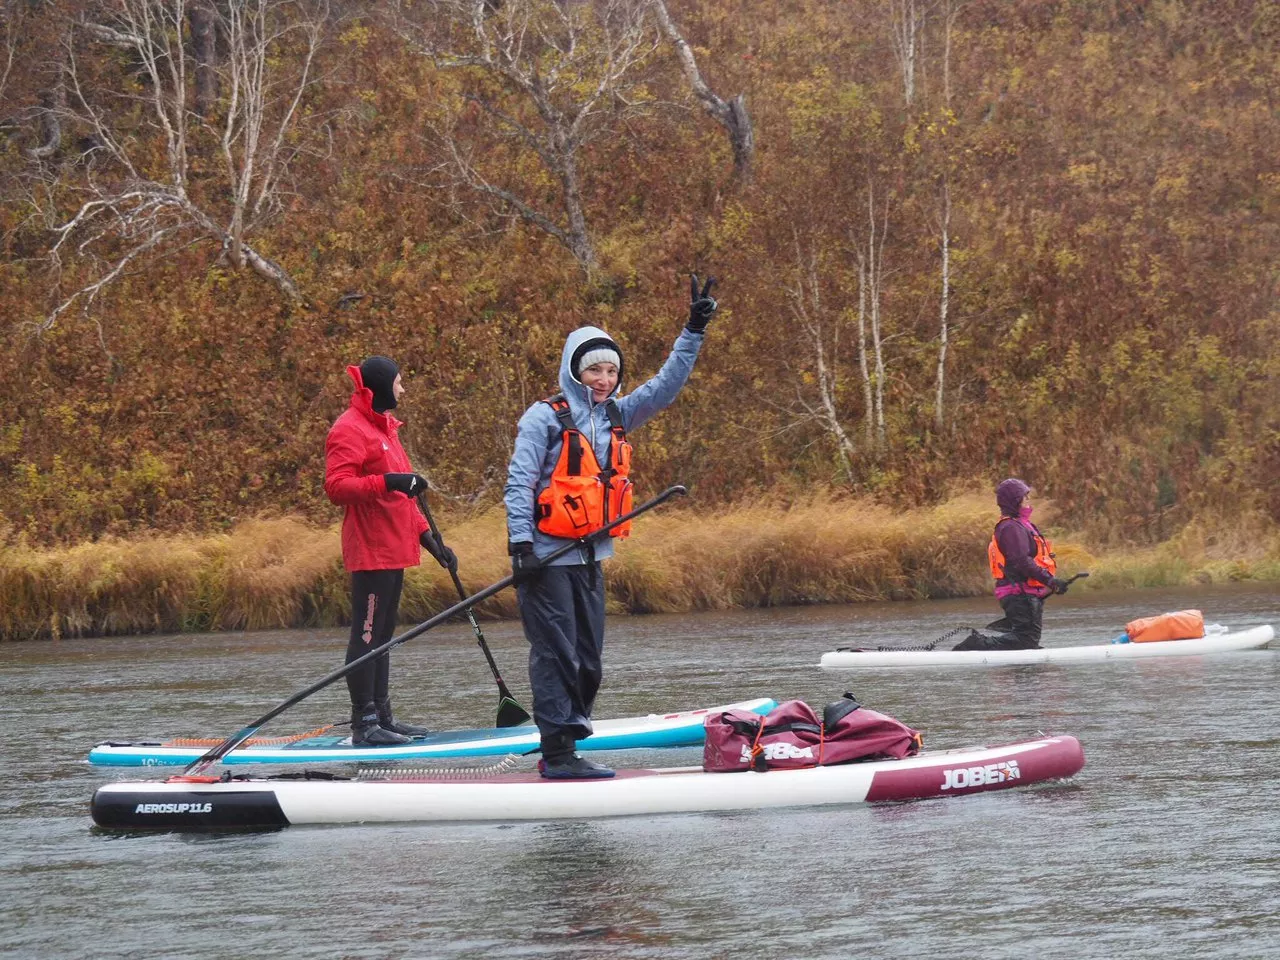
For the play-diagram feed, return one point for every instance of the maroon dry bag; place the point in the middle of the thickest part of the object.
(789, 736)
(852, 732)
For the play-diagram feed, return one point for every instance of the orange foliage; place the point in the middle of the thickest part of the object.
(1112, 175)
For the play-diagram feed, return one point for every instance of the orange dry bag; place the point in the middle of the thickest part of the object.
(1183, 625)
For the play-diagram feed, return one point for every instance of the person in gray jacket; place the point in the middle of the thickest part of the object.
(569, 476)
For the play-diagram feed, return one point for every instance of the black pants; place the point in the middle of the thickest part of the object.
(563, 616)
(1025, 615)
(375, 602)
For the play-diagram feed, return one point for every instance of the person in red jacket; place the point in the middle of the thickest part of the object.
(368, 474)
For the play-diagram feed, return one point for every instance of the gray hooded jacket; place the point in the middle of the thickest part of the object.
(538, 435)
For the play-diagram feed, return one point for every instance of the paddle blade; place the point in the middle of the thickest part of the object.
(511, 714)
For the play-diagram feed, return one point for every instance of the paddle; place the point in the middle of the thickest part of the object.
(194, 769)
(510, 713)
(1004, 624)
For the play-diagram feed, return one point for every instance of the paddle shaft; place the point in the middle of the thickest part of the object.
(218, 752)
(462, 595)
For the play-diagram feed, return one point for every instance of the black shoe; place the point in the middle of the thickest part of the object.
(573, 767)
(377, 736)
(387, 722)
(410, 730)
(365, 731)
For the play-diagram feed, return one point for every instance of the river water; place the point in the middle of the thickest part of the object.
(1166, 845)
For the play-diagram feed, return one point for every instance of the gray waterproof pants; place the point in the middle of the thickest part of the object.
(563, 616)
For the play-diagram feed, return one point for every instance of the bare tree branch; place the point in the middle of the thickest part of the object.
(732, 114)
(565, 72)
(52, 103)
(127, 207)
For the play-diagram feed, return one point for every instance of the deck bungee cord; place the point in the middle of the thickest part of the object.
(417, 774)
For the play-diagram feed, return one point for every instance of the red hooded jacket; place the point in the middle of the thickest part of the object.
(380, 527)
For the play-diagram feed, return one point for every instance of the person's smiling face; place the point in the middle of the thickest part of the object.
(600, 379)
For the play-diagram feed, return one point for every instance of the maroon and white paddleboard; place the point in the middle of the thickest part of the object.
(397, 795)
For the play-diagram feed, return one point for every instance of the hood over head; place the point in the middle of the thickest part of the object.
(379, 375)
(1010, 494)
(584, 342)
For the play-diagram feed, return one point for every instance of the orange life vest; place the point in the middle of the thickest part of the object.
(1044, 558)
(582, 497)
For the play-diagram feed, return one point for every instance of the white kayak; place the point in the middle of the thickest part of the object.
(408, 796)
(852, 659)
(680, 729)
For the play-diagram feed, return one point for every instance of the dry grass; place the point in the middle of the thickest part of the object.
(285, 573)
(820, 551)
(481, 545)
(1208, 550)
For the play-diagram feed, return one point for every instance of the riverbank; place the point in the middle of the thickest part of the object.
(282, 573)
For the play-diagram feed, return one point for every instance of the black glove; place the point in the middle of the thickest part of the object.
(410, 484)
(525, 566)
(444, 556)
(1057, 586)
(701, 305)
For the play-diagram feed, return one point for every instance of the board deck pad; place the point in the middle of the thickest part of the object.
(679, 728)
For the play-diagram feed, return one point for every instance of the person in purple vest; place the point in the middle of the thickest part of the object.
(1024, 570)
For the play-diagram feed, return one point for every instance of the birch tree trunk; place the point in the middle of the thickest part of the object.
(906, 20)
(951, 10)
(870, 255)
(822, 334)
(864, 371)
(876, 278)
(944, 245)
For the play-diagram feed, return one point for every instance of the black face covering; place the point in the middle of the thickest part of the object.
(379, 374)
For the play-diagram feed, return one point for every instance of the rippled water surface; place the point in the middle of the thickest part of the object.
(1166, 845)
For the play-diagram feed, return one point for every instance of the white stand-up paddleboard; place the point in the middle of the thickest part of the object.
(399, 797)
(679, 729)
(1225, 642)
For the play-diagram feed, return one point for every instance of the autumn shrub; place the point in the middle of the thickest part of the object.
(1208, 550)
(273, 573)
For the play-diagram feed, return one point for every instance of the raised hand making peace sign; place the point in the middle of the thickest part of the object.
(702, 306)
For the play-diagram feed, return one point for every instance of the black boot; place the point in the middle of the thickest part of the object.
(387, 722)
(1003, 641)
(559, 762)
(980, 641)
(365, 731)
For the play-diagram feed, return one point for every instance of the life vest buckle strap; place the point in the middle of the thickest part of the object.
(574, 440)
